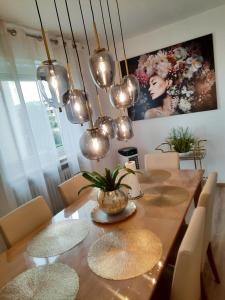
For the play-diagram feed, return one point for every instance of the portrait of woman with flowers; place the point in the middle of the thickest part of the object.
(175, 80)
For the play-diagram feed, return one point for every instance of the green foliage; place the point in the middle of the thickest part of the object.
(181, 139)
(110, 181)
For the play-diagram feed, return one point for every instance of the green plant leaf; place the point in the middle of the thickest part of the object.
(108, 176)
(116, 172)
(99, 177)
(120, 180)
(87, 186)
(125, 185)
(91, 178)
(129, 170)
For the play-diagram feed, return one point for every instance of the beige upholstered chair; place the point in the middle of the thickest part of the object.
(168, 160)
(69, 189)
(206, 199)
(186, 284)
(23, 220)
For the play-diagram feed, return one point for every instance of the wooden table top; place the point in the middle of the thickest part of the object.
(164, 221)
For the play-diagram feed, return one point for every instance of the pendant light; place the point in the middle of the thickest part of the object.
(93, 144)
(120, 99)
(76, 100)
(124, 130)
(105, 123)
(101, 63)
(52, 78)
(129, 80)
(118, 93)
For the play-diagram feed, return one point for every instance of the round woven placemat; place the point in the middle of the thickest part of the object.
(165, 195)
(124, 254)
(58, 238)
(49, 282)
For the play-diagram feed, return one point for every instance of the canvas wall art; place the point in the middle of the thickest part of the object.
(179, 79)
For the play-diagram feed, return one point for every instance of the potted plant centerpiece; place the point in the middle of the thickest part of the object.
(181, 140)
(112, 198)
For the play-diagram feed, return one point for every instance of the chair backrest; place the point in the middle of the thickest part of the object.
(69, 189)
(23, 220)
(186, 283)
(168, 160)
(206, 199)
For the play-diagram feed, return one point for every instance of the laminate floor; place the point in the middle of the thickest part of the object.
(217, 291)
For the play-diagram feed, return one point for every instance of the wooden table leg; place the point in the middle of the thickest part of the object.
(197, 194)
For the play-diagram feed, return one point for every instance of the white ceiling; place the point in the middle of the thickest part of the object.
(138, 16)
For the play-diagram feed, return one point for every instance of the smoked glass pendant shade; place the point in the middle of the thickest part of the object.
(93, 144)
(102, 68)
(76, 106)
(53, 82)
(133, 87)
(119, 96)
(106, 126)
(124, 130)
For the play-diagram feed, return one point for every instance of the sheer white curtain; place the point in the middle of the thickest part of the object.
(70, 132)
(29, 156)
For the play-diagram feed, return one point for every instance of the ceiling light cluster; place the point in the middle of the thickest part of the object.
(58, 88)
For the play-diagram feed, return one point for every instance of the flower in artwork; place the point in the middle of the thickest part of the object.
(163, 69)
(150, 65)
(142, 77)
(184, 105)
(180, 53)
(161, 57)
(186, 92)
(194, 62)
(141, 62)
(188, 73)
(173, 91)
(174, 103)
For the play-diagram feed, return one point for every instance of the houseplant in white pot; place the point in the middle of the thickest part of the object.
(112, 198)
(182, 141)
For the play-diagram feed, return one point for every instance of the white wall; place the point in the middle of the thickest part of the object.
(209, 125)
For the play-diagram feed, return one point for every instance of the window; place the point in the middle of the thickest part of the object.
(32, 99)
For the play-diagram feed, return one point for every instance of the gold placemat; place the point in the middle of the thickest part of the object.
(49, 282)
(124, 254)
(165, 195)
(152, 176)
(58, 238)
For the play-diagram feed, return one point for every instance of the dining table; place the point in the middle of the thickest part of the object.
(164, 221)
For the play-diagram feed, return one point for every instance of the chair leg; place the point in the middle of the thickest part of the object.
(212, 263)
(203, 291)
(197, 194)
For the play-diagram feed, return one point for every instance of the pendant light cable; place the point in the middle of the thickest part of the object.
(110, 19)
(43, 32)
(85, 31)
(95, 28)
(60, 27)
(79, 64)
(103, 21)
(121, 31)
(92, 12)
(89, 52)
(70, 77)
(114, 44)
(75, 46)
